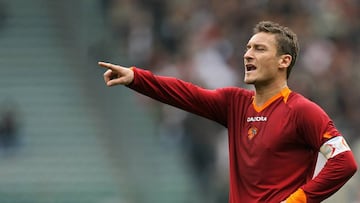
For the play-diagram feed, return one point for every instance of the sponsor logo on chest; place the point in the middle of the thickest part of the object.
(256, 119)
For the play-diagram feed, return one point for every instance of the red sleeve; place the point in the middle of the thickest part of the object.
(336, 172)
(314, 124)
(317, 128)
(211, 104)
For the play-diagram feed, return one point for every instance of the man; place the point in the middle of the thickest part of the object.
(274, 134)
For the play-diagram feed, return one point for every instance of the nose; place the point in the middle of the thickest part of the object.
(248, 55)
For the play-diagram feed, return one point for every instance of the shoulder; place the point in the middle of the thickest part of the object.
(304, 107)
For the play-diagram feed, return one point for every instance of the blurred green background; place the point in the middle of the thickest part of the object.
(67, 138)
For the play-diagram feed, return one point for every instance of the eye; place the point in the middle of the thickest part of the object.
(260, 48)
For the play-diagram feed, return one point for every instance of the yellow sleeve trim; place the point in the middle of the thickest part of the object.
(327, 135)
(298, 196)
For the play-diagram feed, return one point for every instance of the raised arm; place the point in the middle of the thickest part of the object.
(211, 104)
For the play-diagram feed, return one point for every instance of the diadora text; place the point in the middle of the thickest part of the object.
(256, 119)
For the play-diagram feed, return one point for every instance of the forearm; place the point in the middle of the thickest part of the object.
(336, 172)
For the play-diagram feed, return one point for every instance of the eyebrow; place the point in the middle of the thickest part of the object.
(256, 45)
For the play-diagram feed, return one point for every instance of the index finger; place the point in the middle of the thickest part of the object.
(107, 65)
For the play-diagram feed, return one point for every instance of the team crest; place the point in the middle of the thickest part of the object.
(252, 132)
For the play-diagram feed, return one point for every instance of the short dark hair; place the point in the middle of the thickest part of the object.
(287, 41)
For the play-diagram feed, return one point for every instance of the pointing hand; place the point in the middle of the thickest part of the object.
(117, 75)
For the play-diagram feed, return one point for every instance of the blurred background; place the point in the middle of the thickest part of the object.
(67, 138)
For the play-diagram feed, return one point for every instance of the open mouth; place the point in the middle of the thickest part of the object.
(250, 67)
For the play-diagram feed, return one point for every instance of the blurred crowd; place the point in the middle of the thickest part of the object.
(3, 14)
(10, 127)
(203, 42)
(9, 110)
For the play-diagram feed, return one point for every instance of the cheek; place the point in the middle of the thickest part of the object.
(269, 64)
(267, 69)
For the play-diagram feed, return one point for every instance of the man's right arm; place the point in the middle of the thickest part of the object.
(211, 104)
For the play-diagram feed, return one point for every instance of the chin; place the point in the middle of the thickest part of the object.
(249, 82)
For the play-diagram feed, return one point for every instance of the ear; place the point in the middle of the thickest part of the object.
(284, 61)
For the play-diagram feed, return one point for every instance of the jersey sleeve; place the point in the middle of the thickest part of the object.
(314, 124)
(211, 104)
(317, 128)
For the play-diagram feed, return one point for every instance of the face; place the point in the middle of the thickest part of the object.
(262, 64)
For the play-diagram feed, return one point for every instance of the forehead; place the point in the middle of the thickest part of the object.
(262, 38)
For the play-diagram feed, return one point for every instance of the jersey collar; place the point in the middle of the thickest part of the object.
(285, 92)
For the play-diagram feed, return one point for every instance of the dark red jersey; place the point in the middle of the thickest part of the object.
(273, 149)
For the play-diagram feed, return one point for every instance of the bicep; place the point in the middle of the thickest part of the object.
(211, 104)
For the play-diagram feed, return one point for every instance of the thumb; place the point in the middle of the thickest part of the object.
(116, 81)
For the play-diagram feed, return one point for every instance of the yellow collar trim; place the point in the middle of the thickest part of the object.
(285, 92)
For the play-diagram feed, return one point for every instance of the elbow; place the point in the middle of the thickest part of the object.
(351, 166)
(345, 165)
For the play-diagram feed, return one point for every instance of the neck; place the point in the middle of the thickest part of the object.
(264, 93)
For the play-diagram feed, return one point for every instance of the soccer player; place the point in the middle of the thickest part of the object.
(274, 133)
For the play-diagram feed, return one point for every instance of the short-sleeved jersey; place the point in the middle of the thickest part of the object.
(272, 149)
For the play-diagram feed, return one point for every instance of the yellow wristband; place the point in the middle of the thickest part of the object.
(298, 196)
